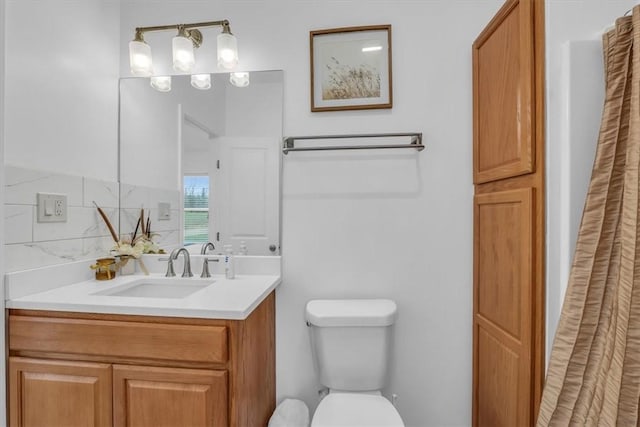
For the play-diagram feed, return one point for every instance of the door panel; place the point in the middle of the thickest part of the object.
(503, 223)
(246, 194)
(156, 397)
(503, 143)
(498, 381)
(86, 388)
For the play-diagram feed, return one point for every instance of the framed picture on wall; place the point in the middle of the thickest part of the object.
(351, 68)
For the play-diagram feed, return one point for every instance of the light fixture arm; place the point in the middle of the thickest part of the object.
(189, 31)
(223, 23)
(138, 37)
(225, 27)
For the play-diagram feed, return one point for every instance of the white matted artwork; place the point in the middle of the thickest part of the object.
(351, 68)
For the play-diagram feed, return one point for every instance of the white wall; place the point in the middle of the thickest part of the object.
(62, 86)
(61, 98)
(397, 225)
(574, 95)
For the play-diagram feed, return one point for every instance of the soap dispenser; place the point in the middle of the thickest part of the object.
(228, 262)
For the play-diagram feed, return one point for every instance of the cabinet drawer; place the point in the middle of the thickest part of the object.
(157, 341)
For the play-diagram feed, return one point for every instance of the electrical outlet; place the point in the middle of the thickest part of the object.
(52, 207)
(59, 210)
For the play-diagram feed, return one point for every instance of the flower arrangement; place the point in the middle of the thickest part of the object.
(137, 245)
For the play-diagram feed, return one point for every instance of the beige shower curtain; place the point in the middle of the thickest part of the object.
(594, 371)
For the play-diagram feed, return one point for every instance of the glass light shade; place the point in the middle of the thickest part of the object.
(201, 81)
(227, 51)
(140, 59)
(161, 83)
(183, 57)
(239, 79)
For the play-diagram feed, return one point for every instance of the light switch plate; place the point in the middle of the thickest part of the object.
(52, 207)
(164, 211)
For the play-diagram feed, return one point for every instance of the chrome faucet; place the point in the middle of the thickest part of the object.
(206, 246)
(205, 262)
(187, 263)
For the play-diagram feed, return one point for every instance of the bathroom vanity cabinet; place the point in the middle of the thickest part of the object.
(107, 369)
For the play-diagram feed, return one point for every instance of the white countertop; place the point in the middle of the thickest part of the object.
(224, 299)
(72, 288)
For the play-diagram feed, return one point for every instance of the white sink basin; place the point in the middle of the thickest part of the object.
(158, 288)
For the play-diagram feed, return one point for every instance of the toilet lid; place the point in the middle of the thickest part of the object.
(355, 410)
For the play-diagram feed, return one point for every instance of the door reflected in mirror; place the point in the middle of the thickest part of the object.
(212, 155)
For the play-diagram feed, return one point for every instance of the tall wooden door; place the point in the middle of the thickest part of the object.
(508, 173)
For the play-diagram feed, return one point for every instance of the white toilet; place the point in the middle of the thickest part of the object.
(351, 342)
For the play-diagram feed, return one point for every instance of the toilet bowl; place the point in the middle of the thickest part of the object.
(351, 341)
(356, 410)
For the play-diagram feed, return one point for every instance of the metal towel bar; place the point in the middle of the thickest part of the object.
(416, 142)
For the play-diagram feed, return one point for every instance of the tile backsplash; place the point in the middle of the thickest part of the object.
(30, 244)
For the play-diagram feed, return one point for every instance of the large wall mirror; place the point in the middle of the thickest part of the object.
(204, 164)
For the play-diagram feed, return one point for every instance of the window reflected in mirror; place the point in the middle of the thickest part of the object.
(196, 209)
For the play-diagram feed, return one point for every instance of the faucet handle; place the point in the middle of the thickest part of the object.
(205, 266)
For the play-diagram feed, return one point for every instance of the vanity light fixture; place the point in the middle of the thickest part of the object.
(184, 58)
(227, 49)
(183, 44)
(239, 79)
(140, 56)
(161, 83)
(201, 81)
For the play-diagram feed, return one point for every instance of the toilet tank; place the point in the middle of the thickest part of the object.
(351, 342)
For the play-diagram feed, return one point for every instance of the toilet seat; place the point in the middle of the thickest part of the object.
(356, 410)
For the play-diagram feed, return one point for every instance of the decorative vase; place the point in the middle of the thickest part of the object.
(105, 268)
(127, 265)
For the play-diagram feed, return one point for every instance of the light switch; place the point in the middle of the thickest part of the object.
(52, 207)
(48, 207)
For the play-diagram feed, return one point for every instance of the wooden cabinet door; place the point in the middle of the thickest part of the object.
(503, 223)
(508, 173)
(156, 397)
(502, 87)
(57, 393)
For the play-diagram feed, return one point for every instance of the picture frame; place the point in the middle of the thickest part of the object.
(351, 68)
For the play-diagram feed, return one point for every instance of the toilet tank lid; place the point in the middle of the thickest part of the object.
(351, 312)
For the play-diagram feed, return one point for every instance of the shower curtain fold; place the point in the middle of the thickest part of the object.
(593, 376)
